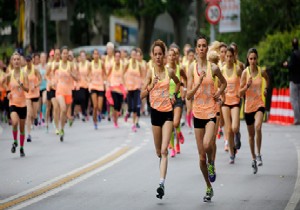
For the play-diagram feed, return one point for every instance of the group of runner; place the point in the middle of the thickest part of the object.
(208, 84)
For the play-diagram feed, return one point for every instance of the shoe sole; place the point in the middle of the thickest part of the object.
(160, 193)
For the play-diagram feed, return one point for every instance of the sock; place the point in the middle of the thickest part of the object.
(44, 111)
(162, 181)
(172, 140)
(22, 138)
(189, 119)
(15, 134)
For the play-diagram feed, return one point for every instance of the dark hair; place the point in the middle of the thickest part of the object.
(138, 50)
(117, 51)
(133, 50)
(201, 36)
(230, 49)
(222, 45)
(161, 44)
(295, 44)
(174, 45)
(190, 50)
(64, 48)
(251, 50)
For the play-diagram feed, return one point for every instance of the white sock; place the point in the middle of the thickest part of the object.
(162, 181)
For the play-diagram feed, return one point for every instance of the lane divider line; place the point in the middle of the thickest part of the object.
(70, 179)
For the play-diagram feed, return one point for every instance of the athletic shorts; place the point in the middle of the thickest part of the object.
(68, 98)
(98, 92)
(21, 111)
(41, 93)
(250, 117)
(50, 94)
(159, 118)
(178, 103)
(232, 106)
(201, 123)
(34, 99)
(118, 100)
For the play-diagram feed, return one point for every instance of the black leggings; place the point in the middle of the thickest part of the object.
(83, 97)
(118, 100)
(133, 100)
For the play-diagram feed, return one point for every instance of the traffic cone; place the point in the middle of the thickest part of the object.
(288, 108)
(281, 106)
(274, 107)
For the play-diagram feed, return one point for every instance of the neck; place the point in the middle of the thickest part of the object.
(253, 68)
(17, 69)
(202, 61)
(96, 60)
(229, 65)
(172, 64)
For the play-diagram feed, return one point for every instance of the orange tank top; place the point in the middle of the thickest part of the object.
(65, 81)
(51, 84)
(116, 78)
(17, 97)
(109, 62)
(83, 72)
(97, 82)
(159, 95)
(32, 82)
(133, 76)
(253, 96)
(233, 86)
(204, 105)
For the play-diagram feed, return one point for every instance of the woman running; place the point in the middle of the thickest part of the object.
(143, 63)
(65, 82)
(157, 86)
(178, 105)
(133, 72)
(231, 105)
(17, 82)
(51, 76)
(97, 77)
(201, 87)
(42, 67)
(83, 93)
(116, 86)
(251, 85)
(32, 96)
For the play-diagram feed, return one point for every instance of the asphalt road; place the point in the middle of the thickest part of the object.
(114, 169)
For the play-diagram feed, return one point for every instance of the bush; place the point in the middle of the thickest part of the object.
(273, 51)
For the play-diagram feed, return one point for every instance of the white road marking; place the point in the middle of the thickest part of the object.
(73, 182)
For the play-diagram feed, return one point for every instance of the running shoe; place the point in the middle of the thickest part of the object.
(126, 117)
(56, 131)
(14, 146)
(95, 126)
(137, 125)
(254, 166)
(237, 140)
(29, 138)
(178, 148)
(71, 122)
(172, 153)
(226, 146)
(170, 146)
(259, 160)
(209, 194)
(180, 137)
(133, 128)
(108, 118)
(61, 135)
(22, 153)
(83, 119)
(36, 122)
(47, 128)
(99, 118)
(211, 172)
(160, 191)
(231, 159)
(116, 125)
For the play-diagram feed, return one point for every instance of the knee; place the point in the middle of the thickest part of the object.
(206, 145)
(202, 160)
(235, 129)
(258, 127)
(164, 152)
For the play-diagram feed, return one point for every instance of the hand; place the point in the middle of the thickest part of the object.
(9, 96)
(202, 75)
(249, 82)
(173, 99)
(216, 96)
(285, 64)
(155, 81)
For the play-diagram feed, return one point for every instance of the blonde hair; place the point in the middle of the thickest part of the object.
(213, 56)
(215, 46)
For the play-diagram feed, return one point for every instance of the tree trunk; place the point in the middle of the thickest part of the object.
(146, 25)
(200, 15)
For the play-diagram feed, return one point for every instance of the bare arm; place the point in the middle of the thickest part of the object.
(243, 84)
(221, 80)
(190, 89)
(39, 76)
(265, 75)
(147, 85)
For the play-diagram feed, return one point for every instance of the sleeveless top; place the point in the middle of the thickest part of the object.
(253, 96)
(97, 82)
(172, 83)
(116, 78)
(83, 72)
(133, 76)
(204, 105)
(43, 72)
(159, 95)
(32, 81)
(17, 93)
(233, 86)
(65, 81)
